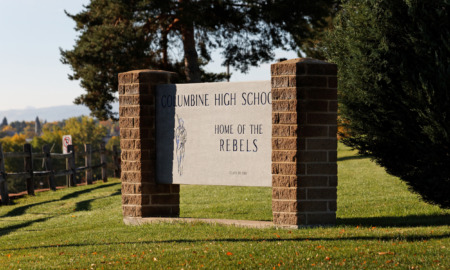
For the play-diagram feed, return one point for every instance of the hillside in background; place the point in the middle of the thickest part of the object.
(50, 114)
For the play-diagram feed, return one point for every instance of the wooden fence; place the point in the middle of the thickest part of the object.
(71, 170)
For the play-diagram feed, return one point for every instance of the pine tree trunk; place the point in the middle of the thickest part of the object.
(164, 45)
(192, 69)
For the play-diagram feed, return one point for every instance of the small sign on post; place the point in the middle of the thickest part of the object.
(66, 140)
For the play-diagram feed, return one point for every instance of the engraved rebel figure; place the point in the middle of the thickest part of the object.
(181, 137)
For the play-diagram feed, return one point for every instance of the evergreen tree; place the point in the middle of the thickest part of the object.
(37, 127)
(394, 81)
(19, 126)
(122, 35)
(4, 122)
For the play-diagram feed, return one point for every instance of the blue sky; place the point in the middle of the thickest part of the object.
(31, 74)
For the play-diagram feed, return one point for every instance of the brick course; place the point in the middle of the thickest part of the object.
(304, 127)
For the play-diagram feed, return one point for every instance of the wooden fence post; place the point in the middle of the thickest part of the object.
(67, 168)
(28, 166)
(3, 185)
(49, 167)
(116, 161)
(71, 161)
(88, 163)
(103, 162)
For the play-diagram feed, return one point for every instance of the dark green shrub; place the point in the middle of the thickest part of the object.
(394, 77)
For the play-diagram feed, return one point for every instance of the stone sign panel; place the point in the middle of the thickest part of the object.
(214, 133)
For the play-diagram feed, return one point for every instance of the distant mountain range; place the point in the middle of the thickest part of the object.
(56, 113)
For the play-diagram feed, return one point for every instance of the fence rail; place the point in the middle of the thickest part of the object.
(71, 170)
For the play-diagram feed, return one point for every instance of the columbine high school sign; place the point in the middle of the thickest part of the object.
(214, 134)
(279, 133)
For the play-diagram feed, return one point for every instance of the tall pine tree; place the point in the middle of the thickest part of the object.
(178, 35)
(37, 127)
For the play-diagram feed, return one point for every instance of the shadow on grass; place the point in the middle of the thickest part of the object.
(352, 158)
(12, 228)
(407, 221)
(81, 192)
(22, 209)
(410, 238)
(86, 204)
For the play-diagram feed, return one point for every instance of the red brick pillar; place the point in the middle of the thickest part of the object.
(304, 144)
(141, 195)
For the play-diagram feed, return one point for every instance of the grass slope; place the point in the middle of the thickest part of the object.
(381, 224)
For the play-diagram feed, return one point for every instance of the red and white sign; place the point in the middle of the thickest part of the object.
(66, 140)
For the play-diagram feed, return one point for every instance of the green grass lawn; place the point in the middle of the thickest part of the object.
(380, 224)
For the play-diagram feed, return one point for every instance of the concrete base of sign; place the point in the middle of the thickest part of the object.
(136, 221)
(233, 222)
